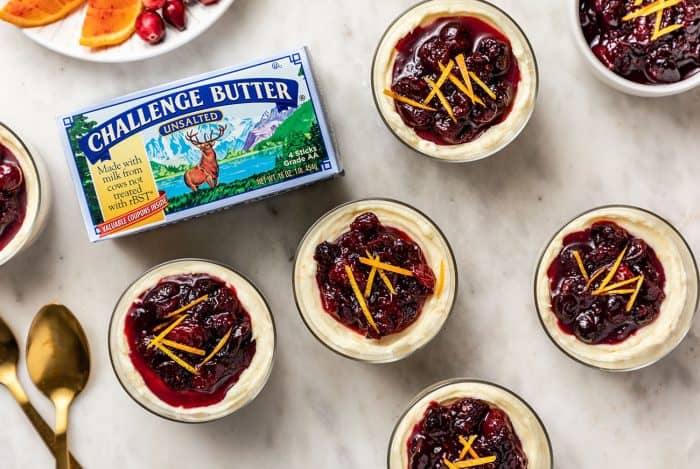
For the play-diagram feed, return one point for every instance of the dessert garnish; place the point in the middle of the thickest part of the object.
(190, 339)
(623, 36)
(347, 271)
(13, 197)
(624, 292)
(464, 63)
(465, 433)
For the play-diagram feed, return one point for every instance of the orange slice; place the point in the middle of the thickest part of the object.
(32, 13)
(109, 22)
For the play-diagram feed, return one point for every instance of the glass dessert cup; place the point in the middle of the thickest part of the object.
(618, 82)
(37, 195)
(341, 338)
(652, 340)
(496, 135)
(526, 423)
(246, 386)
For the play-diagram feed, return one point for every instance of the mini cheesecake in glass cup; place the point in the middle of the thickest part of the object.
(25, 195)
(374, 280)
(192, 341)
(462, 423)
(455, 80)
(617, 288)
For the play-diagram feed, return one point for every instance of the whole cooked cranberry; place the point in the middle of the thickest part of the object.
(587, 325)
(163, 298)
(325, 253)
(150, 27)
(434, 52)
(11, 177)
(485, 114)
(611, 11)
(173, 375)
(416, 118)
(366, 222)
(661, 67)
(480, 65)
(468, 414)
(174, 13)
(412, 87)
(188, 333)
(498, 53)
(221, 323)
(424, 275)
(448, 129)
(456, 37)
(225, 300)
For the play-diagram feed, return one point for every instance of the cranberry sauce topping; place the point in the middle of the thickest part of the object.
(629, 47)
(438, 436)
(391, 312)
(220, 318)
(13, 196)
(605, 314)
(488, 55)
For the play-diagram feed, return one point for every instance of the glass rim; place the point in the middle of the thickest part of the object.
(695, 303)
(451, 381)
(302, 242)
(506, 142)
(111, 351)
(4, 258)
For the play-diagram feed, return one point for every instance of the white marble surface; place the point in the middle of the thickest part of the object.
(586, 145)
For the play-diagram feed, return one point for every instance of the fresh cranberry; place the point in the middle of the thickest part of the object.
(150, 27)
(391, 313)
(596, 319)
(175, 14)
(11, 177)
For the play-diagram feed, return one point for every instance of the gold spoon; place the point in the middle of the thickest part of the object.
(59, 365)
(9, 355)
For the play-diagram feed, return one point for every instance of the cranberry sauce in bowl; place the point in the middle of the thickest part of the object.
(394, 296)
(455, 79)
(24, 195)
(643, 40)
(616, 288)
(13, 196)
(192, 341)
(422, 57)
(374, 280)
(468, 423)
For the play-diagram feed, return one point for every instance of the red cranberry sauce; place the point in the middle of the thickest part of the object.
(603, 318)
(206, 324)
(391, 312)
(628, 48)
(13, 196)
(488, 54)
(437, 437)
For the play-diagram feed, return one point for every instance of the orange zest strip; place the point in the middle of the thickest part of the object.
(652, 8)
(441, 81)
(581, 267)
(483, 85)
(408, 101)
(633, 298)
(638, 2)
(386, 281)
(447, 463)
(467, 445)
(624, 291)
(177, 359)
(615, 286)
(372, 274)
(665, 31)
(462, 65)
(186, 307)
(475, 462)
(360, 298)
(218, 347)
(183, 347)
(442, 98)
(613, 270)
(598, 273)
(473, 454)
(441, 279)
(387, 267)
(167, 330)
(460, 86)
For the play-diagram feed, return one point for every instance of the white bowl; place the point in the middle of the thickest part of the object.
(616, 81)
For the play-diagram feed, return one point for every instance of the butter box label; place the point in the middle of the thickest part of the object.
(198, 145)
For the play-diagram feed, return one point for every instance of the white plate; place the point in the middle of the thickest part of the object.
(64, 36)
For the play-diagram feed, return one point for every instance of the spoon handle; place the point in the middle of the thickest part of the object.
(62, 406)
(40, 425)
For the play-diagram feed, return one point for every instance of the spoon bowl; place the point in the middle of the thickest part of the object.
(58, 359)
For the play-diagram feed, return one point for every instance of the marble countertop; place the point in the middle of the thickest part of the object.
(586, 145)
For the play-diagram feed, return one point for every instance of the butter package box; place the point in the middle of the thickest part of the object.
(197, 145)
